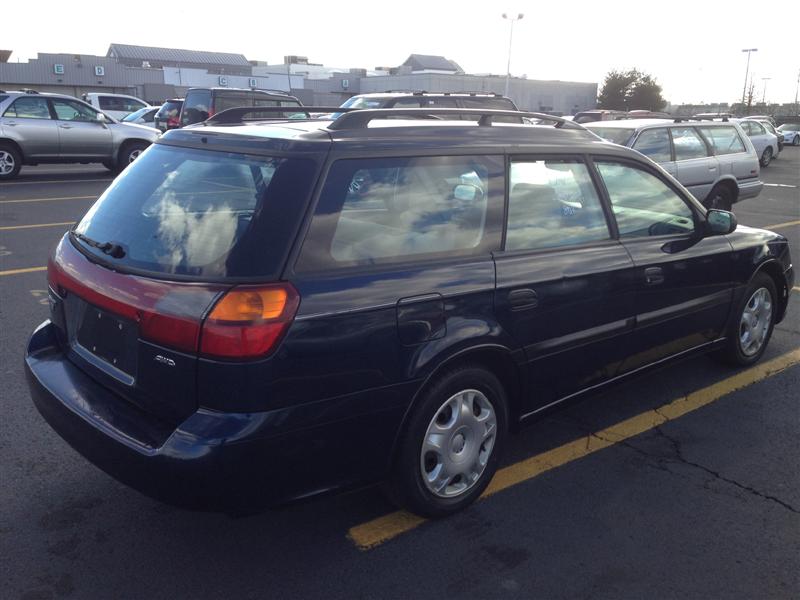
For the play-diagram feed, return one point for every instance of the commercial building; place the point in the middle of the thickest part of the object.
(155, 74)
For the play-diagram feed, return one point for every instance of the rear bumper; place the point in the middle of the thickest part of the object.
(749, 189)
(212, 460)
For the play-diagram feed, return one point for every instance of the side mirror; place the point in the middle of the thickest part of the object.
(466, 192)
(100, 118)
(720, 222)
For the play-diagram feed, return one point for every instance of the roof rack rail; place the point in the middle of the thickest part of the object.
(724, 119)
(477, 93)
(238, 114)
(360, 119)
(29, 91)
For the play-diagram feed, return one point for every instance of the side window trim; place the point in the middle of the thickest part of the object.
(697, 215)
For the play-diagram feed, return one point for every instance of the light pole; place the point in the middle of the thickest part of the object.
(764, 94)
(511, 18)
(747, 71)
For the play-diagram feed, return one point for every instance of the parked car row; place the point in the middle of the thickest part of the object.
(259, 313)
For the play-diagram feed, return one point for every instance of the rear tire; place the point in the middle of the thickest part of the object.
(752, 324)
(720, 198)
(796, 141)
(452, 443)
(110, 165)
(766, 158)
(10, 162)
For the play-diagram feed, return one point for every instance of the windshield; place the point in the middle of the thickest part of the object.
(789, 127)
(617, 135)
(200, 213)
(136, 115)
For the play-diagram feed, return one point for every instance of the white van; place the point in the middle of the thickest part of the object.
(115, 105)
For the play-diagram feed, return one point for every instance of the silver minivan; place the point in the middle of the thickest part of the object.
(54, 128)
(714, 160)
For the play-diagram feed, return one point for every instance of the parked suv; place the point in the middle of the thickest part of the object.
(202, 103)
(54, 128)
(715, 160)
(430, 100)
(169, 115)
(264, 312)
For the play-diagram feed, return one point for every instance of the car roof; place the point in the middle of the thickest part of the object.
(390, 94)
(394, 136)
(643, 123)
(232, 89)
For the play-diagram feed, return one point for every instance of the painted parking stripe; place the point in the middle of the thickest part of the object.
(26, 200)
(12, 227)
(21, 271)
(377, 531)
(781, 225)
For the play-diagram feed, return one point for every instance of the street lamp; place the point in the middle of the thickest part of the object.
(511, 18)
(747, 71)
(764, 95)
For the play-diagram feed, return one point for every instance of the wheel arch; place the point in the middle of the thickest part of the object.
(495, 358)
(772, 267)
(17, 147)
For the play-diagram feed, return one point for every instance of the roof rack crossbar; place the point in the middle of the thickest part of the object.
(684, 119)
(237, 114)
(360, 119)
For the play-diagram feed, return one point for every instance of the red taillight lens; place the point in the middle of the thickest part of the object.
(249, 321)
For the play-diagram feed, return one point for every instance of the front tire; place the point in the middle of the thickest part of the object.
(450, 449)
(10, 162)
(129, 153)
(796, 141)
(766, 157)
(753, 322)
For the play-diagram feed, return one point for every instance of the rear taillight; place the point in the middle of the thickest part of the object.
(245, 322)
(249, 321)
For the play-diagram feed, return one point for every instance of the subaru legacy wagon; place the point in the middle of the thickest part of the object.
(257, 313)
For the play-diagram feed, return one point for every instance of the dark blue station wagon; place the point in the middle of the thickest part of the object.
(258, 312)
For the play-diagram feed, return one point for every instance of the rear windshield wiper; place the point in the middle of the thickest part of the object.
(113, 249)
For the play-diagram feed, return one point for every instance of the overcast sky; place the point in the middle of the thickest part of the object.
(692, 48)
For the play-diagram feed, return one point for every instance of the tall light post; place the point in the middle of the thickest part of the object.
(511, 18)
(747, 71)
(764, 93)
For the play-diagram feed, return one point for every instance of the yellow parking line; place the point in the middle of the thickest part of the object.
(375, 532)
(20, 271)
(48, 199)
(10, 227)
(781, 225)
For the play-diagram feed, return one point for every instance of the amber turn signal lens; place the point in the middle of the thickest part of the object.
(250, 305)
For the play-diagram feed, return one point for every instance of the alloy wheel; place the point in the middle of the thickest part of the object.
(755, 322)
(458, 443)
(7, 162)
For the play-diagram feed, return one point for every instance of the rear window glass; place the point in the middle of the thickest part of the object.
(616, 135)
(196, 107)
(169, 109)
(487, 102)
(385, 210)
(201, 213)
(724, 140)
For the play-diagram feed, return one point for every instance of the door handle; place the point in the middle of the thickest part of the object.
(523, 299)
(10, 123)
(653, 275)
(65, 126)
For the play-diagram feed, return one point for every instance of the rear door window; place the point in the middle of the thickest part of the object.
(688, 143)
(654, 144)
(28, 108)
(553, 203)
(396, 209)
(201, 213)
(196, 107)
(724, 139)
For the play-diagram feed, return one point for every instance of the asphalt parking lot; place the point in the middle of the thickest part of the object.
(681, 484)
